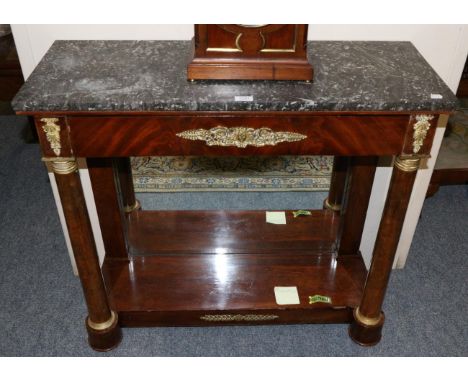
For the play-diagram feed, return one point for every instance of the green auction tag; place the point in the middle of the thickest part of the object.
(301, 212)
(319, 298)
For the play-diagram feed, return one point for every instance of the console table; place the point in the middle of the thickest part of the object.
(108, 100)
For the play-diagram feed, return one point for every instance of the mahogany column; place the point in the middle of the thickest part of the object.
(366, 329)
(108, 200)
(337, 183)
(127, 190)
(102, 323)
(354, 211)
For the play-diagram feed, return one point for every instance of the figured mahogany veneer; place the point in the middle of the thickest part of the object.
(156, 135)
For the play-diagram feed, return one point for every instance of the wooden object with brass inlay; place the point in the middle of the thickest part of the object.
(221, 267)
(366, 328)
(102, 323)
(250, 52)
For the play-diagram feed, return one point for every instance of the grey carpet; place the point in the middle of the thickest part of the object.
(42, 310)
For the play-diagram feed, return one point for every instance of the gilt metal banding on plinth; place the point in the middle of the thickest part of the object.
(241, 136)
(238, 317)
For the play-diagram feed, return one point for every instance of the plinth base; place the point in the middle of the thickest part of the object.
(106, 339)
(363, 334)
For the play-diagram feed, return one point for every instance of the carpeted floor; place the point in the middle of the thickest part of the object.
(42, 310)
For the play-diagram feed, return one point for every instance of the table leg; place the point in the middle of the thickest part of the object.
(103, 174)
(337, 184)
(102, 323)
(356, 202)
(368, 321)
(124, 168)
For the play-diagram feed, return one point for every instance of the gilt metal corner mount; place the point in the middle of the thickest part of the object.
(52, 132)
(421, 128)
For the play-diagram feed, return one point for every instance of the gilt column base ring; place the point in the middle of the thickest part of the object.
(366, 331)
(104, 336)
(330, 206)
(136, 206)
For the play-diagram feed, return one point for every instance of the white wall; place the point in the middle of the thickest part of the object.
(32, 41)
(445, 47)
(439, 44)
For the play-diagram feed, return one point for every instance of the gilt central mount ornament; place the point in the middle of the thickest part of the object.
(241, 136)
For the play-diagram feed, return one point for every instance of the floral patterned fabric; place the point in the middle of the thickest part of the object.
(282, 173)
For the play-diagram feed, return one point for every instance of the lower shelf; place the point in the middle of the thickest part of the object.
(202, 290)
(221, 267)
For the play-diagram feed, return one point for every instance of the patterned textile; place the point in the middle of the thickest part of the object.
(282, 173)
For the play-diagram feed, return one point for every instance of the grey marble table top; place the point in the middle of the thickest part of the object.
(151, 76)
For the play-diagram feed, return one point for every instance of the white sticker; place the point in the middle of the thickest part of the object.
(276, 217)
(243, 98)
(287, 296)
(436, 96)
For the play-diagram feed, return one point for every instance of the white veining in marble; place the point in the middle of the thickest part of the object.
(151, 76)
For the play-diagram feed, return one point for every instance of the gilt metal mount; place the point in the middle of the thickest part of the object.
(241, 136)
(52, 132)
(420, 128)
(238, 317)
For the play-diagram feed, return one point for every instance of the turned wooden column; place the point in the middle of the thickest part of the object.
(355, 203)
(101, 323)
(104, 174)
(337, 184)
(124, 169)
(368, 321)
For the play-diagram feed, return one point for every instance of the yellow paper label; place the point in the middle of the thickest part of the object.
(276, 217)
